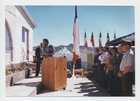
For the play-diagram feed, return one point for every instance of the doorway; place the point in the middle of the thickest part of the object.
(27, 44)
(8, 45)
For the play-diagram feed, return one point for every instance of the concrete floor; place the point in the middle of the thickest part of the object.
(75, 88)
(78, 87)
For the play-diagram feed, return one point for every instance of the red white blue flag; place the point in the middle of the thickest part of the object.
(108, 40)
(114, 35)
(92, 40)
(85, 41)
(76, 38)
(100, 41)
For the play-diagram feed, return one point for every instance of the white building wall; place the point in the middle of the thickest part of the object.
(16, 19)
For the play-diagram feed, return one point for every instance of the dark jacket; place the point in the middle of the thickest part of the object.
(96, 60)
(116, 63)
(37, 53)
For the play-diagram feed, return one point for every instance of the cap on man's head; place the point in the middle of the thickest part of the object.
(126, 43)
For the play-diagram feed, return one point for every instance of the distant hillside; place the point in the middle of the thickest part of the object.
(70, 48)
(70, 45)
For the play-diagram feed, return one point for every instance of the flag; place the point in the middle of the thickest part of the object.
(114, 35)
(108, 40)
(76, 39)
(85, 41)
(92, 40)
(100, 42)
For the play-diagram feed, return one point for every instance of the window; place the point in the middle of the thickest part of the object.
(23, 34)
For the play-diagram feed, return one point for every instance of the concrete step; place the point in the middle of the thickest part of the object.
(16, 77)
(31, 65)
(27, 87)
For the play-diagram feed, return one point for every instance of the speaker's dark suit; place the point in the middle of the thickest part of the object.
(39, 60)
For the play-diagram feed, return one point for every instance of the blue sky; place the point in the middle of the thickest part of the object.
(56, 23)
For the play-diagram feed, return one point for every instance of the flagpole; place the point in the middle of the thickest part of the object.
(73, 76)
(93, 46)
(76, 41)
(93, 49)
(85, 62)
(93, 52)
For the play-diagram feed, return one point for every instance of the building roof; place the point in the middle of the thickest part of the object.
(129, 37)
(28, 15)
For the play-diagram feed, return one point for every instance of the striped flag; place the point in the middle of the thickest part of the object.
(76, 38)
(92, 40)
(100, 41)
(114, 35)
(108, 40)
(85, 41)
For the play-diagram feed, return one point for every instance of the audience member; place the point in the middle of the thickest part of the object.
(116, 63)
(103, 58)
(126, 69)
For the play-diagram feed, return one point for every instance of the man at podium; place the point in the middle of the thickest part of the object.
(48, 50)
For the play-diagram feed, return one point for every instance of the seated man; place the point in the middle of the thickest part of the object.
(48, 50)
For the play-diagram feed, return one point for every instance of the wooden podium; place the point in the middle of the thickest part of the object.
(54, 73)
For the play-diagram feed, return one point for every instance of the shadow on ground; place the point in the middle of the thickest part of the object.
(91, 88)
(30, 84)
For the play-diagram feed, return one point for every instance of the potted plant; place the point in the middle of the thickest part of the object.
(23, 63)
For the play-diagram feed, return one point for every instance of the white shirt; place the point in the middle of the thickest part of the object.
(103, 57)
(128, 60)
(100, 52)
